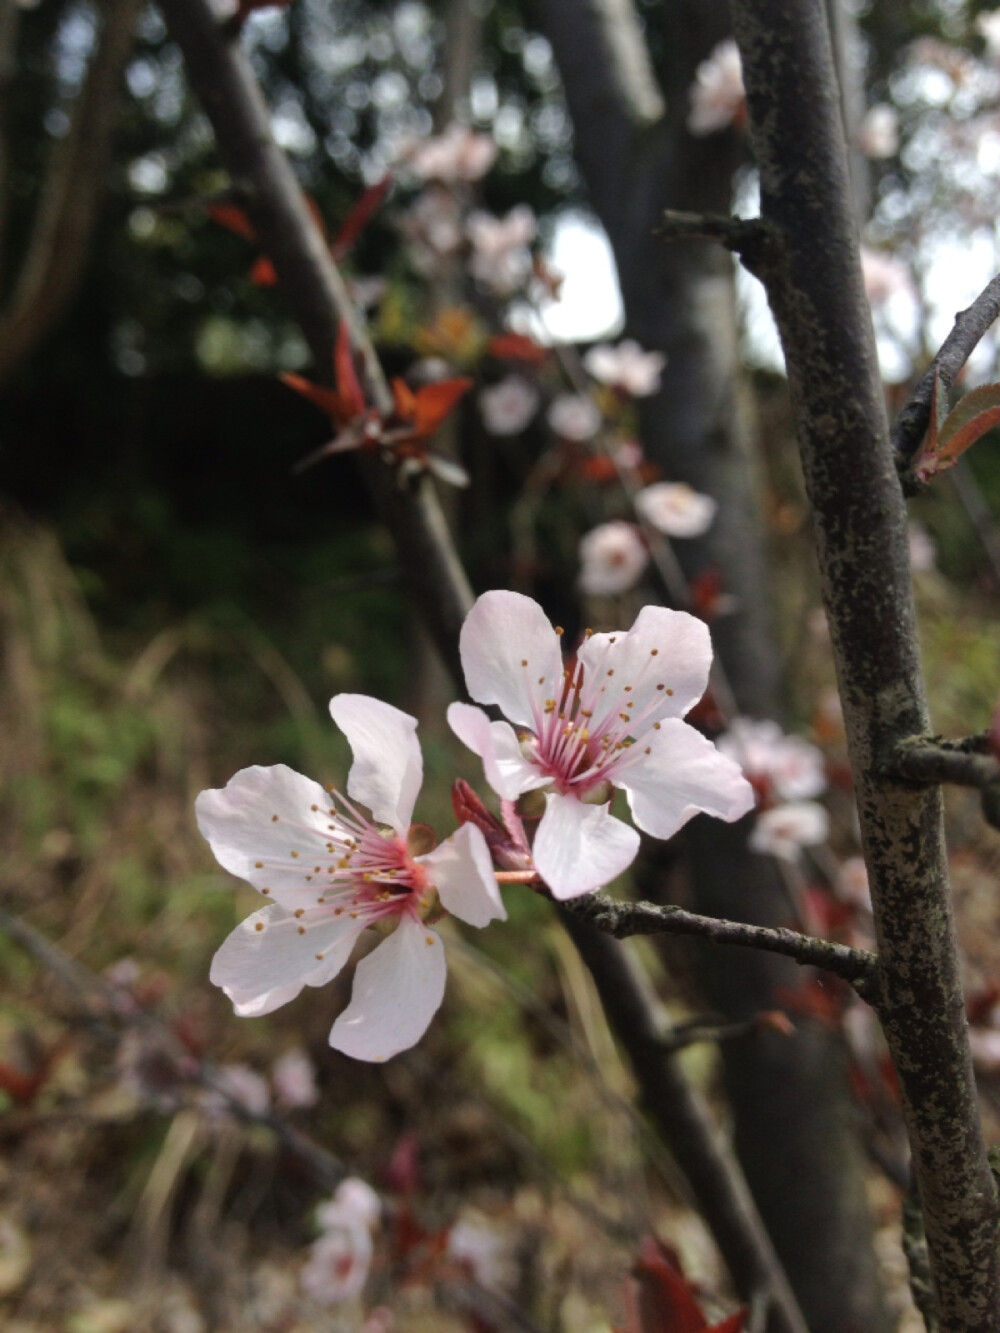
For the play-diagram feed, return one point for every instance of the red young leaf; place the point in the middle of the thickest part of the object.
(359, 217)
(975, 414)
(262, 273)
(327, 400)
(659, 1299)
(433, 402)
(517, 347)
(233, 219)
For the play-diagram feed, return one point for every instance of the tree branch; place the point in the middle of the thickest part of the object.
(224, 82)
(622, 919)
(929, 760)
(860, 524)
(971, 325)
(684, 1121)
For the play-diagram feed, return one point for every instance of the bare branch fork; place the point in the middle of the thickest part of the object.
(818, 299)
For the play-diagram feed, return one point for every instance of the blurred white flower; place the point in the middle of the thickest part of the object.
(478, 1248)
(242, 1085)
(675, 509)
(789, 765)
(785, 829)
(508, 406)
(574, 416)
(717, 94)
(338, 1264)
(500, 256)
(852, 883)
(923, 548)
(627, 367)
(433, 228)
(354, 1201)
(612, 559)
(988, 25)
(878, 133)
(985, 1045)
(884, 275)
(294, 1079)
(459, 154)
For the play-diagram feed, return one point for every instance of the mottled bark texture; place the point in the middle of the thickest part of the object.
(816, 292)
(791, 1108)
(224, 82)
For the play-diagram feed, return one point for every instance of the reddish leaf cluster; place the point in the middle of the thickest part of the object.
(659, 1298)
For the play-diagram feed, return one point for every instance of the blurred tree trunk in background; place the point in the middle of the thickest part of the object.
(65, 217)
(792, 1110)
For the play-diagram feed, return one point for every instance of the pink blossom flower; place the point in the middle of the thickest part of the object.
(675, 509)
(433, 227)
(331, 872)
(878, 134)
(612, 559)
(294, 1079)
(717, 96)
(354, 1201)
(627, 367)
(500, 257)
(785, 829)
(574, 416)
(612, 719)
(459, 154)
(508, 406)
(789, 765)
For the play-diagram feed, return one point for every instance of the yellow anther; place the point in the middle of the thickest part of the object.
(300, 911)
(314, 807)
(559, 629)
(259, 865)
(259, 925)
(302, 930)
(294, 854)
(587, 633)
(274, 819)
(653, 652)
(670, 691)
(524, 661)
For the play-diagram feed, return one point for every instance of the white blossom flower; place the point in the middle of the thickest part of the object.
(884, 275)
(338, 1265)
(676, 509)
(433, 228)
(500, 256)
(509, 405)
(612, 559)
(574, 416)
(294, 1079)
(479, 1248)
(988, 26)
(627, 367)
(923, 548)
(717, 95)
(354, 1201)
(459, 154)
(612, 719)
(785, 829)
(789, 765)
(878, 133)
(330, 872)
(240, 1084)
(852, 883)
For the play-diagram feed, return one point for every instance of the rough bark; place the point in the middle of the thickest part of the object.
(792, 1114)
(815, 287)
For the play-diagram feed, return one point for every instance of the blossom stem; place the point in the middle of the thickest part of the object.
(517, 877)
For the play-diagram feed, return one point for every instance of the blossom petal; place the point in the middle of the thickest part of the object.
(276, 950)
(676, 774)
(510, 655)
(665, 658)
(270, 826)
(507, 771)
(398, 988)
(461, 870)
(388, 767)
(580, 847)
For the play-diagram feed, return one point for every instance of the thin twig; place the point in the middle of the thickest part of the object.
(971, 325)
(622, 919)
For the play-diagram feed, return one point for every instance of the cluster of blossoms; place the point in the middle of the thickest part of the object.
(786, 773)
(611, 717)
